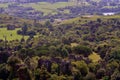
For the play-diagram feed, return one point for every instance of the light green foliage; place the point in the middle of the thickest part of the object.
(81, 66)
(62, 77)
(54, 67)
(94, 57)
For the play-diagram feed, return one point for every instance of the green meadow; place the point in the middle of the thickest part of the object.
(4, 5)
(48, 8)
(10, 34)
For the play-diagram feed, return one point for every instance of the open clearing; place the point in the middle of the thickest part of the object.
(10, 34)
(4, 5)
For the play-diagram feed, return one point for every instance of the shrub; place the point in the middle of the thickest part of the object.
(82, 50)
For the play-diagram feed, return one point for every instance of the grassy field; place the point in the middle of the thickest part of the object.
(48, 8)
(82, 19)
(4, 5)
(10, 34)
(96, 0)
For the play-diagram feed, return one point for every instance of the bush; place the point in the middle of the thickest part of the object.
(82, 67)
(19, 32)
(90, 76)
(82, 50)
(115, 55)
(4, 73)
(115, 75)
(100, 73)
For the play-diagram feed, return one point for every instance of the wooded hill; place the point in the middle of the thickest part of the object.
(63, 51)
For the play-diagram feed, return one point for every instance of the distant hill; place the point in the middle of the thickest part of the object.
(64, 9)
(34, 0)
(52, 1)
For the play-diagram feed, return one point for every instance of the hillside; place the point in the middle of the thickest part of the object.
(15, 24)
(59, 39)
(10, 20)
(82, 48)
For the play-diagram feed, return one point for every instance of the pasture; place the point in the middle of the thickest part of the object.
(48, 8)
(10, 34)
(4, 5)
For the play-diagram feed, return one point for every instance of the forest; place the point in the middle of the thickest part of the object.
(82, 48)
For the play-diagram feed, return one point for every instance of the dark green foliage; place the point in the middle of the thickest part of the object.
(82, 67)
(4, 57)
(44, 75)
(90, 76)
(24, 29)
(66, 68)
(64, 52)
(42, 51)
(61, 51)
(99, 20)
(102, 50)
(106, 78)
(68, 48)
(48, 25)
(37, 74)
(66, 40)
(115, 75)
(13, 60)
(24, 74)
(30, 52)
(100, 73)
(23, 53)
(78, 76)
(31, 33)
(113, 65)
(115, 55)
(93, 67)
(4, 72)
(82, 50)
